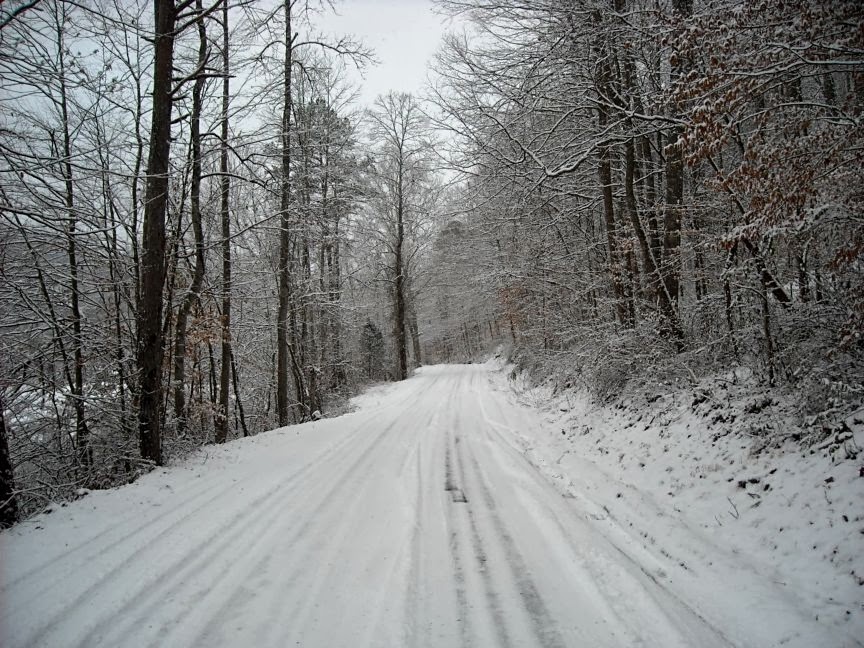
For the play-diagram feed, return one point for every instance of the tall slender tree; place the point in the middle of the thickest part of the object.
(401, 130)
(283, 338)
(193, 293)
(151, 339)
(227, 359)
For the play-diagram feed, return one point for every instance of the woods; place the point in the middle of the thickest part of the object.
(177, 259)
(657, 190)
(203, 235)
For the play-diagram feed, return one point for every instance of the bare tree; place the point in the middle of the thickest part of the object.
(227, 359)
(193, 293)
(150, 326)
(400, 130)
(287, 351)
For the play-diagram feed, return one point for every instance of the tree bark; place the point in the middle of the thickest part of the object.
(236, 382)
(227, 360)
(415, 336)
(335, 288)
(150, 333)
(399, 277)
(282, 316)
(682, 9)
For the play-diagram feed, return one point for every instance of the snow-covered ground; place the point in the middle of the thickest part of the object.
(716, 479)
(443, 512)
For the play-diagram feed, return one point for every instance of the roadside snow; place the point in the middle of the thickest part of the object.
(717, 499)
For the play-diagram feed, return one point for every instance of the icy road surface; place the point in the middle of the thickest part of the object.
(415, 521)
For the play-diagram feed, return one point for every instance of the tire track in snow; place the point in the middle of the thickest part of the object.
(261, 533)
(346, 484)
(640, 581)
(478, 551)
(426, 585)
(467, 543)
(456, 544)
(345, 508)
(132, 561)
(160, 532)
(97, 543)
(353, 488)
(417, 627)
(543, 625)
(408, 454)
(93, 547)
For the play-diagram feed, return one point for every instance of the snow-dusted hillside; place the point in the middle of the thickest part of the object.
(717, 481)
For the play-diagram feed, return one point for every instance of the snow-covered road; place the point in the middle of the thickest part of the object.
(415, 521)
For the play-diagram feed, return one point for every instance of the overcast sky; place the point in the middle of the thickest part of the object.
(403, 33)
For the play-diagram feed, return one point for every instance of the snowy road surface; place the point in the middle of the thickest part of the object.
(415, 521)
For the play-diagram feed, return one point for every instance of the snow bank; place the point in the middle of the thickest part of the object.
(713, 479)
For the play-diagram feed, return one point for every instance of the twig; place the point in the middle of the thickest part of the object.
(735, 512)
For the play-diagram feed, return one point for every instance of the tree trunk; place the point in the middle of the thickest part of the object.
(312, 399)
(766, 277)
(120, 353)
(111, 223)
(236, 382)
(339, 377)
(648, 241)
(415, 336)
(766, 332)
(84, 453)
(282, 317)
(803, 276)
(150, 334)
(731, 257)
(399, 276)
(682, 10)
(604, 171)
(227, 361)
(192, 295)
(8, 501)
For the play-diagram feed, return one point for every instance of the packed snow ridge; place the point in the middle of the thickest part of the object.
(447, 510)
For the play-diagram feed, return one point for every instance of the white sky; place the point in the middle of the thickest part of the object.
(404, 35)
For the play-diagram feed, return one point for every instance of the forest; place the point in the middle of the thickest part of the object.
(204, 235)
